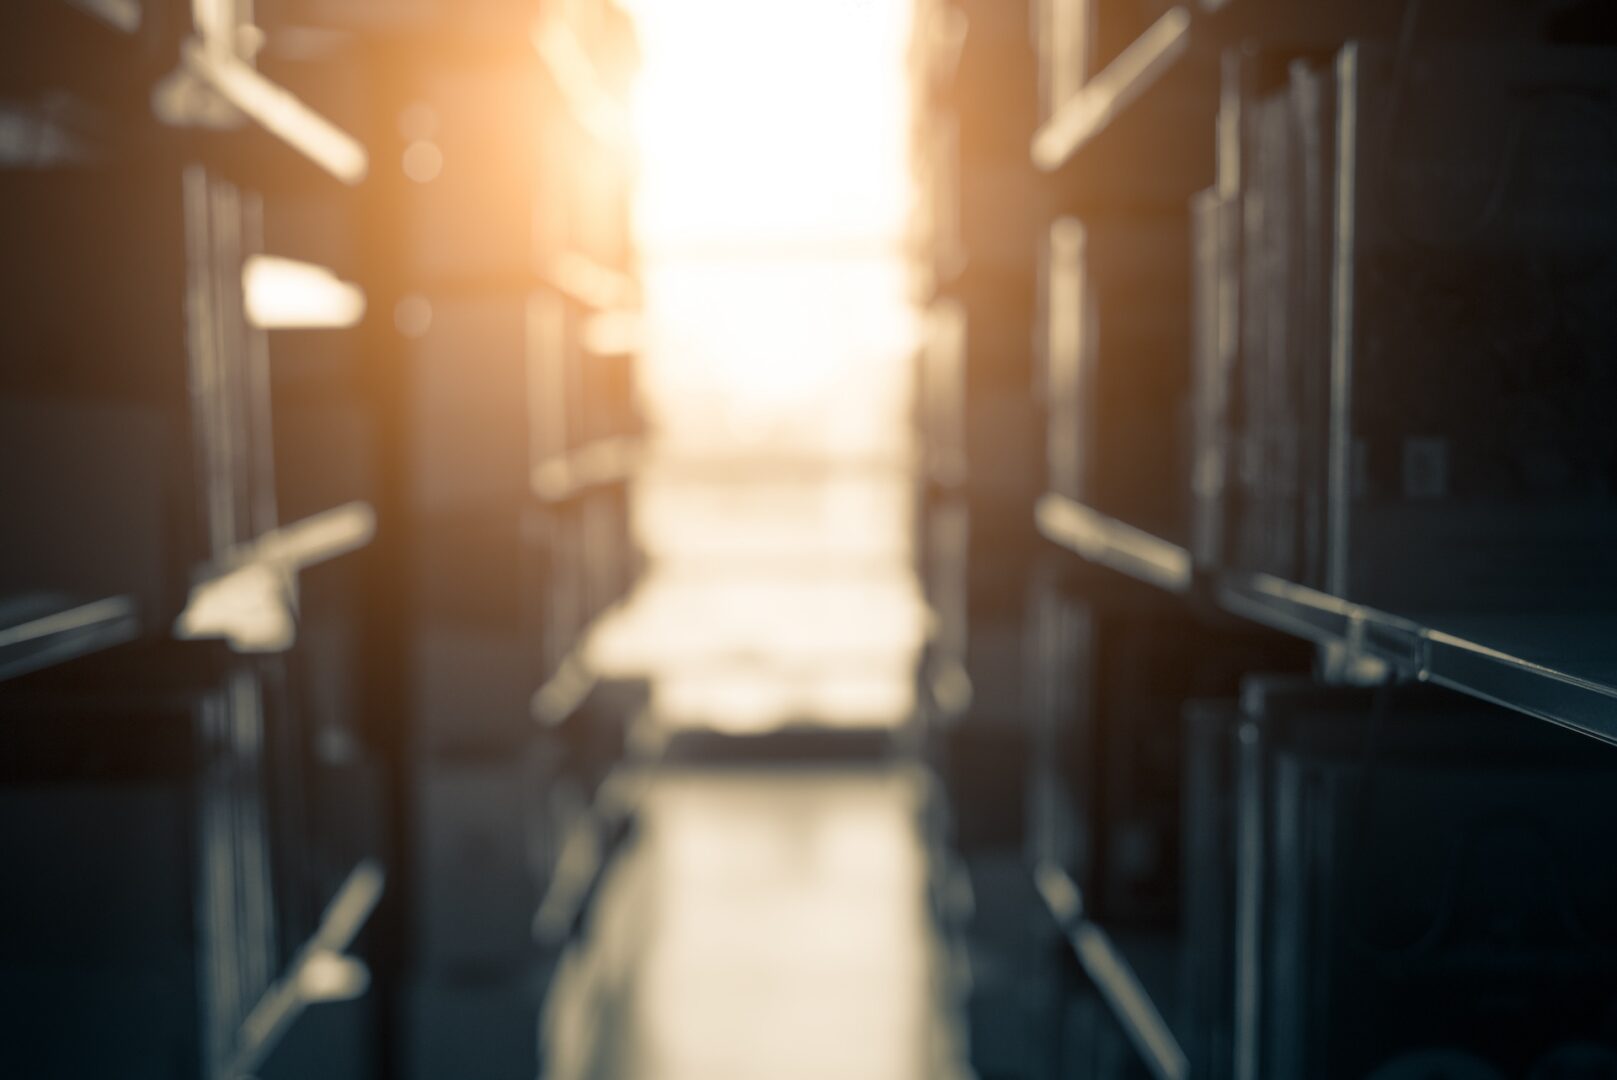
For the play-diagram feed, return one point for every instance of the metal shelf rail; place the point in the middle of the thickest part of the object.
(1552, 668)
(592, 285)
(1109, 94)
(249, 599)
(569, 64)
(277, 112)
(319, 972)
(1108, 968)
(595, 465)
(37, 632)
(1151, 129)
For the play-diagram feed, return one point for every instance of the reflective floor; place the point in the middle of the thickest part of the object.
(772, 923)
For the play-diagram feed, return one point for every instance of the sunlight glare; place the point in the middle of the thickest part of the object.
(771, 215)
(771, 122)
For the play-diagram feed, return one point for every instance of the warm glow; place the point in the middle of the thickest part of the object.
(771, 211)
(772, 203)
(769, 123)
(288, 294)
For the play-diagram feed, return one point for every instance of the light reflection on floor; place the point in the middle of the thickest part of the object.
(782, 932)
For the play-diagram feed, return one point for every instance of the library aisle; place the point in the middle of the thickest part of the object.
(891, 539)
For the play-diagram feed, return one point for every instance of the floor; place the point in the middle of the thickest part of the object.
(771, 922)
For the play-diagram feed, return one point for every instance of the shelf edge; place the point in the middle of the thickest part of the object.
(611, 460)
(1405, 646)
(591, 105)
(297, 988)
(67, 634)
(1112, 975)
(1112, 543)
(583, 280)
(248, 597)
(1131, 73)
(277, 111)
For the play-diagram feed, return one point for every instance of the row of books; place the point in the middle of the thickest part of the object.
(516, 350)
(1402, 339)
(190, 811)
(1370, 359)
(1307, 879)
(233, 313)
(137, 442)
(1380, 375)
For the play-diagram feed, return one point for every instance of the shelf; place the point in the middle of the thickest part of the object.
(1144, 127)
(320, 972)
(40, 631)
(599, 464)
(1558, 668)
(1108, 542)
(939, 40)
(591, 285)
(610, 334)
(250, 598)
(290, 294)
(1105, 962)
(577, 79)
(565, 692)
(947, 688)
(269, 107)
(1104, 98)
(318, 538)
(586, 854)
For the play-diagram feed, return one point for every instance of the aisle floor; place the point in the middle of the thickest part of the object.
(775, 924)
